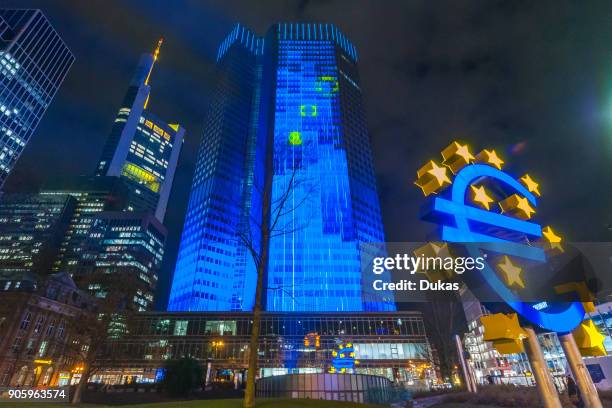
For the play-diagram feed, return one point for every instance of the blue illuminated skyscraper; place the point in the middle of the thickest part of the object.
(33, 63)
(297, 92)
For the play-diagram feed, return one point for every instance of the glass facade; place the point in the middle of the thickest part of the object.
(299, 96)
(322, 158)
(93, 195)
(33, 63)
(141, 148)
(32, 227)
(125, 243)
(392, 345)
(147, 164)
(490, 366)
(214, 271)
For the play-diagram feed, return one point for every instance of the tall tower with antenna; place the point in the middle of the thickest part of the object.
(142, 149)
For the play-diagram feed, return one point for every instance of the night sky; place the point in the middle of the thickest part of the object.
(530, 79)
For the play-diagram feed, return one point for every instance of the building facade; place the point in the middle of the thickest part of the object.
(294, 94)
(127, 243)
(93, 195)
(489, 366)
(37, 320)
(32, 227)
(33, 63)
(141, 148)
(389, 345)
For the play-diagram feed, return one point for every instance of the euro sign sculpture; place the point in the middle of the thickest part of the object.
(470, 226)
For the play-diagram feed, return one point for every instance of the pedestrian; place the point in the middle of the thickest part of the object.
(571, 387)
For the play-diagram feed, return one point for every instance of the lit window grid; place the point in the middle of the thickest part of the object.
(315, 266)
(34, 65)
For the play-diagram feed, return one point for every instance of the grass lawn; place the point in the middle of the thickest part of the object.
(466, 405)
(224, 403)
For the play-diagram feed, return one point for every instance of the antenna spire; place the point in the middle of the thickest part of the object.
(155, 57)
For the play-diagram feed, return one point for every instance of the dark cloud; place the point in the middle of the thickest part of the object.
(531, 79)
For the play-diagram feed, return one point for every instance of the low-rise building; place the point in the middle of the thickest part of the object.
(38, 341)
(393, 345)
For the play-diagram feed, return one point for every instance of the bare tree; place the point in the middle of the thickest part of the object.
(443, 318)
(110, 318)
(257, 241)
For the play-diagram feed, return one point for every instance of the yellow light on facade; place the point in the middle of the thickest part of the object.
(48, 362)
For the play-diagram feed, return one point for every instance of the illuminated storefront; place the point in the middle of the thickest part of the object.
(390, 345)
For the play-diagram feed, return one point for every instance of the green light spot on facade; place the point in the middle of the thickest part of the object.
(308, 110)
(331, 84)
(295, 138)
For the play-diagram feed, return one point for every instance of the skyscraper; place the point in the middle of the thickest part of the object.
(128, 243)
(33, 63)
(32, 227)
(93, 195)
(141, 148)
(295, 92)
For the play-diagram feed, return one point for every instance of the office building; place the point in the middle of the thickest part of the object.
(127, 243)
(141, 148)
(33, 63)
(488, 365)
(294, 93)
(93, 195)
(32, 227)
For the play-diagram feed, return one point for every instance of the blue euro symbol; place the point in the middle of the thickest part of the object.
(560, 317)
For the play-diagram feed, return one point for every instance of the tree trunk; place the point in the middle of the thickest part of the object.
(78, 390)
(249, 394)
(262, 264)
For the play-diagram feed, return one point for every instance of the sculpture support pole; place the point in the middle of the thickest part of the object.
(581, 375)
(546, 388)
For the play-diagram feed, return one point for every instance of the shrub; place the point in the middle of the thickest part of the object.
(182, 377)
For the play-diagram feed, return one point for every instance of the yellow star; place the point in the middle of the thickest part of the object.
(457, 156)
(517, 206)
(554, 240)
(589, 340)
(490, 157)
(531, 185)
(512, 272)
(524, 206)
(439, 173)
(431, 178)
(550, 235)
(481, 197)
(464, 151)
